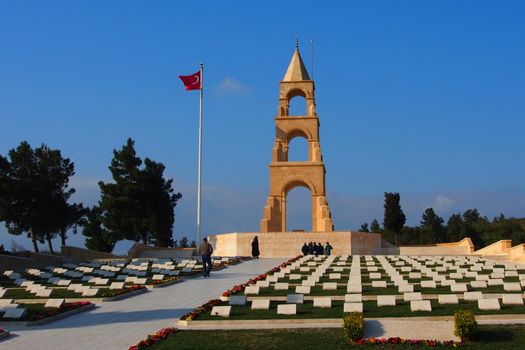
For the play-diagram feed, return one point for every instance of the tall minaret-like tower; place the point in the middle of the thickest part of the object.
(285, 175)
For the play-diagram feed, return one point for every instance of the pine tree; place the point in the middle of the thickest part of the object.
(97, 237)
(374, 226)
(432, 227)
(364, 228)
(394, 219)
(33, 188)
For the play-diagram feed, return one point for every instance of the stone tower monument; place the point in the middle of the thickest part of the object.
(285, 175)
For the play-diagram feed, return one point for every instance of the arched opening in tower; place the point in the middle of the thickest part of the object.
(299, 209)
(297, 106)
(298, 150)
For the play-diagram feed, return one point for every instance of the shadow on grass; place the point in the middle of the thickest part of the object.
(498, 335)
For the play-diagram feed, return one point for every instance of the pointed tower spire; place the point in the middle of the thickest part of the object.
(296, 70)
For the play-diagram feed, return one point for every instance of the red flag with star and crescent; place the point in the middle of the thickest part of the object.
(192, 82)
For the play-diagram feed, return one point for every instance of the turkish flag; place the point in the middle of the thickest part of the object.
(192, 82)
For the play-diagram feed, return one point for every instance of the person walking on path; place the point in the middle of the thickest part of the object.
(328, 249)
(255, 248)
(205, 251)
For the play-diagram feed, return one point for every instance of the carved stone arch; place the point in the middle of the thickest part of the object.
(290, 135)
(296, 92)
(297, 181)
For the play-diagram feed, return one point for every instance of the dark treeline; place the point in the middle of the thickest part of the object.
(433, 228)
(139, 204)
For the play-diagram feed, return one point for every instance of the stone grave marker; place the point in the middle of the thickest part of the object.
(470, 296)
(294, 277)
(238, 300)
(386, 300)
(261, 304)
(222, 311)
(262, 284)
(353, 298)
(287, 309)
(478, 284)
(428, 284)
(330, 286)
(302, 289)
(295, 299)
(353, 307)
(281, 286)
(458, 287)
(55, 303)
(512, 299)
(157, 277)
(14, 313)
(488, 304)
(251, 290)
(374, 275)
(89, 292)
(406, 288)
(116, 285)
(334, 276)
(379, 284)
(323, 302)
(495, 282)
(512, 287)
(420, 305)
(44, 293)
(4, 302)
(448, 299)
(412, 296)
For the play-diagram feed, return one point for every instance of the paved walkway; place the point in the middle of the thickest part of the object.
(120, 324)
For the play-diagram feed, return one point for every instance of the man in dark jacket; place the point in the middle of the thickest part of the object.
(255, 248)
(304, 249)
(205, 251)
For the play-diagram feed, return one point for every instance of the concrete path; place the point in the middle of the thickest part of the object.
(120, 324)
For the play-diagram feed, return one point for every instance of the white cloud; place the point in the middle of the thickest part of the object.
(442, 202)
(230, 86)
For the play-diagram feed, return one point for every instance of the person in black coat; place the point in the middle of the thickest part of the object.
(255, 248)
(311, 248)
(304, 249)
(320, 249)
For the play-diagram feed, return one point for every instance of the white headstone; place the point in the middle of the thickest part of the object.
(353, 298)
(262, 284)
(386, 300)
(374, 275)
(478, 284)
(448, 299)
(353, 307)
(116, 285)
(223, 311)
(379, 284)
(428, 284)
(334, 276)
(354, 288)
(412, 296)
(287, 309)
(302, 289)
(512, 299)
(324, 302)
(488, 304)
(54, 303)
(458, 287)
(281, 286)
(420, 305)
(406, 288)
(512, 287)
(260, 304)
(251, 290)
(329, 285)
(469, 296)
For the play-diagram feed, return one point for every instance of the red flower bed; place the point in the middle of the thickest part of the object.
(153, 338)
(64, 308)
(166, 280)
(429, 343)
(115, 292)
(1, 330)
(200, 310)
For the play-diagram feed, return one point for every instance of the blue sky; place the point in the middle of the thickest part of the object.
(425, 98)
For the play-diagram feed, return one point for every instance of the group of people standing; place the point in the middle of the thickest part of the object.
(316, 249)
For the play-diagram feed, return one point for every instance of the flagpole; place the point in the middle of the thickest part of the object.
(199, 176)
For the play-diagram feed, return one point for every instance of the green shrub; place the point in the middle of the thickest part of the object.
(353, 325)
(464, 324)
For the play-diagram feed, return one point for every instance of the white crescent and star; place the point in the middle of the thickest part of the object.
(196, 80)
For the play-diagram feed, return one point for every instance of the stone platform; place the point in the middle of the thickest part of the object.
(288, 244)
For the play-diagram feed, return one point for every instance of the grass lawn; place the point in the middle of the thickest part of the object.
(488, 337)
